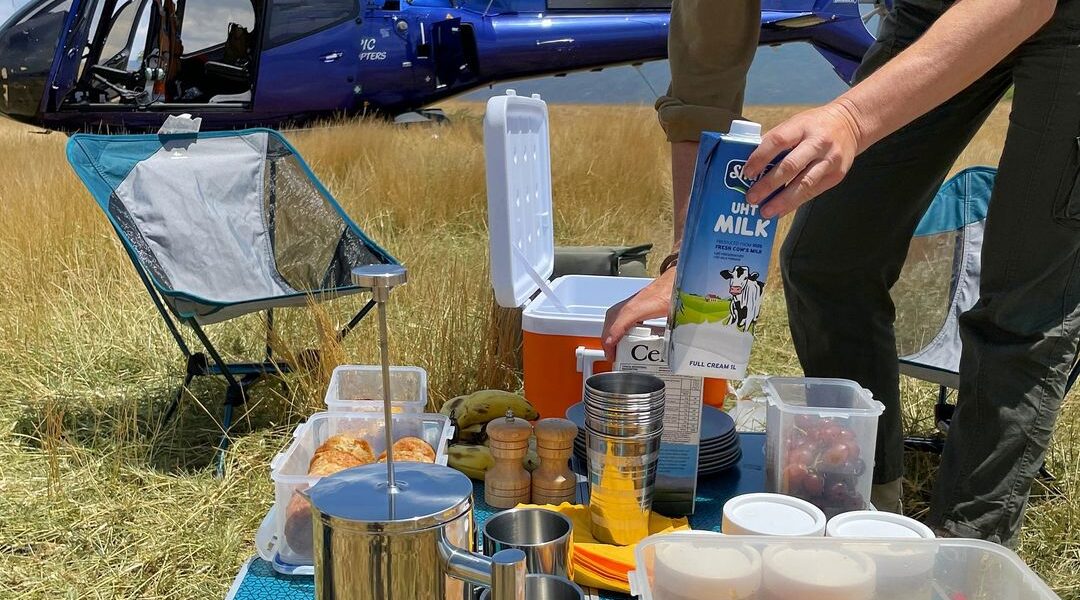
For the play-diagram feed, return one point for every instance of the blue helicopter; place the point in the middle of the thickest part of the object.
(93, 64)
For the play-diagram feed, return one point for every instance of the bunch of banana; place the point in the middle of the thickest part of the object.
(470, 415)
(475, 459)
(484, 406)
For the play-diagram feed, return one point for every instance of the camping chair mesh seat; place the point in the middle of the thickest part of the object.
(223, 224)
(939, 282)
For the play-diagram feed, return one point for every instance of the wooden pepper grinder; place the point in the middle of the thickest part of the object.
(553, 482)
(508, 484)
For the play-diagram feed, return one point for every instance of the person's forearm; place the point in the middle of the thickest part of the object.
(964, 43)
(683, 163)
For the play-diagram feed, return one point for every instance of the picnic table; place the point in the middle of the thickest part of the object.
(257, 580)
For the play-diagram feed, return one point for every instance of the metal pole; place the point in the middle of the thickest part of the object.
(388, 412)
(380, 279)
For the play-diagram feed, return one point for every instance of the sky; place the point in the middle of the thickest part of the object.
(7, 7)
(790, 74)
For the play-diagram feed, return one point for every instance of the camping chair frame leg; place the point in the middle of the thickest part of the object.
(169, 322)
(196, 365)
(269, 333)
(356, 320)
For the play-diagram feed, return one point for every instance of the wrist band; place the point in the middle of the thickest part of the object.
(669, 262)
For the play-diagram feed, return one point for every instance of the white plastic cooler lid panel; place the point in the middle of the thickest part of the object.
(587, 298)
(518, 159)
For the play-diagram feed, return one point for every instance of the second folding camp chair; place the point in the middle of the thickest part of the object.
(222, 224)
(940, 282)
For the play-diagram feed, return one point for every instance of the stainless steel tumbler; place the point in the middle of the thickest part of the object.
(624, 420)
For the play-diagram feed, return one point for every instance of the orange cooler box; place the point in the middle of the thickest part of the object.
(562, 344)
(562, 324)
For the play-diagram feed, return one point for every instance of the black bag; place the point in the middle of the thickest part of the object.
(612, 261)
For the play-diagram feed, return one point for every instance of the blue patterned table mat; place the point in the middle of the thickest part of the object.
(258, 581)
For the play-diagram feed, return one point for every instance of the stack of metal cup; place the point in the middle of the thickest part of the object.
(624, 419)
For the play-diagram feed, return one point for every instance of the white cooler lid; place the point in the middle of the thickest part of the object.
(518, 160)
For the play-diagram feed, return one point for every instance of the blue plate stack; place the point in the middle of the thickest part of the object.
(719, 448)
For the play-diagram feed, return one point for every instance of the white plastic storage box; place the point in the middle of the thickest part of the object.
(359, 388)
(820, 440)
(704, 566)
(289, 470)
(561, 327)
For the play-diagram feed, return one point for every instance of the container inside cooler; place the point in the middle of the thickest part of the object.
(289, 470)
(683, 566)
(821, 435)
(360, 388)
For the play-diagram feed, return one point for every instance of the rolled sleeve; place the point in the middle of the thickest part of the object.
(710, 47)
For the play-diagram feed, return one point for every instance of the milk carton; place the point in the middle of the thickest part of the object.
(723, 262)
(676, 472)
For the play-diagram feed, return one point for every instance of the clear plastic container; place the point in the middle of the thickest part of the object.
(820, 439)
(675, 566)
(289, 470)
(358, 388)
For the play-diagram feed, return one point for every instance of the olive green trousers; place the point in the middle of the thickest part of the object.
(710, 47)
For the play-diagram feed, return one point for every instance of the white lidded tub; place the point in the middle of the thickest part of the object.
(289, 470)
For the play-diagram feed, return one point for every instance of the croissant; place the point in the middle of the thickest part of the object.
(411, 449)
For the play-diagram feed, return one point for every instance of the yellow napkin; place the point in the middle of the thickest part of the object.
(602, 565)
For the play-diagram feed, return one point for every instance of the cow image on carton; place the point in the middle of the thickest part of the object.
(723, 262)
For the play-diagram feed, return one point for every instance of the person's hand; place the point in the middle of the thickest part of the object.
(654, 300)
(823, 143)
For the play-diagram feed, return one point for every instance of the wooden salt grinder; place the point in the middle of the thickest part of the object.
(507, 483)
(553, 481)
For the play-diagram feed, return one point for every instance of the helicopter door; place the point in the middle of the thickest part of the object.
(454, 45)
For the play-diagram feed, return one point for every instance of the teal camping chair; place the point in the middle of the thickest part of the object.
(940, 281)
(219, 225)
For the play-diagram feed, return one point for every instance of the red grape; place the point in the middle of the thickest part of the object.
(838, 493)
(847, 435)
(801, 456)
(795, 477)
(813, 485)
(837, 454)
(830, 433)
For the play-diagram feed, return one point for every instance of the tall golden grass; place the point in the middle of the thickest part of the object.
(98, 498)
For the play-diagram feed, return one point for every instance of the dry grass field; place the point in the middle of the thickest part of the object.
(99, 499)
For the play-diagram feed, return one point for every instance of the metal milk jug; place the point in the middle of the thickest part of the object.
(372, 543)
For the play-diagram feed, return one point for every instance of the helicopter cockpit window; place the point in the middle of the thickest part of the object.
(118, 43)
(167, 52)
(206, 22)
(217, 65)
(293, 19)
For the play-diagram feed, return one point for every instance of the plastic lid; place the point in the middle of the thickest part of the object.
(821, 396)
(747, 129)
(818, 573)
(357, 499)
(689, 570)
(772, 514)
(518, 160)
(872, 524)
(892, 560)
